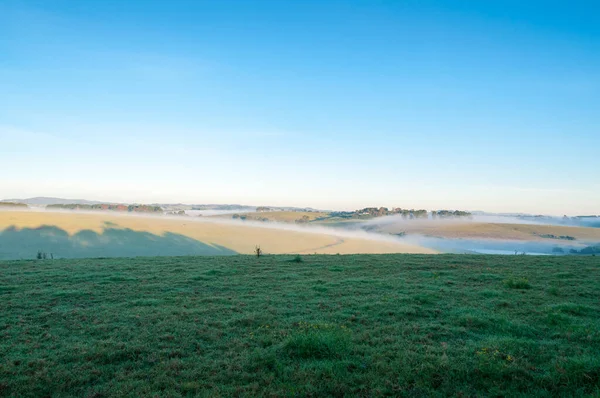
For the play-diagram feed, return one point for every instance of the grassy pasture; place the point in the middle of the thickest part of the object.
(356, 325)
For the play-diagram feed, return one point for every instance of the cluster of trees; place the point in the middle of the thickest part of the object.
(144, 208)
(303, 220)
(113, 207)
(263, 208)
(373, 212)
(369, 212)
(449, 213)
(244, 217)
(587, 250)
(552, 236)
(590, 250)
(410, 214)
(13, 204)
(177, 213)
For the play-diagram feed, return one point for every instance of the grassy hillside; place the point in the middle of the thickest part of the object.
(476, 230)
(84, 234)
(13, 204)
(367, 325)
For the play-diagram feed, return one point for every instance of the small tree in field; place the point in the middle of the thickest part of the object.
(258, 251)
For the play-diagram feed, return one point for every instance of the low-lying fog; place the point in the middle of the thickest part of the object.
(491, 246)
(207, 213)
(399, 220)
(471, 245)
(369, 230)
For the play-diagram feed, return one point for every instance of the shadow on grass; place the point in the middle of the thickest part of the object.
(113, 242)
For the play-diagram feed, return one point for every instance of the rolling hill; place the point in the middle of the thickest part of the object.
(91, 234)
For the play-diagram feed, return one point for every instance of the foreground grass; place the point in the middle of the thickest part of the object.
(370, 325)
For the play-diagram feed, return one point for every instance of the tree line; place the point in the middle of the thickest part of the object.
(369, 212)
(13, 204)
(112, 207)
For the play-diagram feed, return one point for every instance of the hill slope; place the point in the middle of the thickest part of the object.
(88, 234)
(494, 230)
(365, 325)
(43, 201)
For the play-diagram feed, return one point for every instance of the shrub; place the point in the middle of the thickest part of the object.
(317, 344)
(297, 259)
(554, 291)
(517, 283)
(43, 255)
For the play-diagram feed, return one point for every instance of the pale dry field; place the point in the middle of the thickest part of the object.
(238, 236)
(478, 230)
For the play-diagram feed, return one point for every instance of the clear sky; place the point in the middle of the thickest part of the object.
(479, 105)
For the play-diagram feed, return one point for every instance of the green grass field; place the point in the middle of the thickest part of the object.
(356, 325)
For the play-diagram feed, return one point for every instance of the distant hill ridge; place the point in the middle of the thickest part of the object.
(44, 201)
(47, 201)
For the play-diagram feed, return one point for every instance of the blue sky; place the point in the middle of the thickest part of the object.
(332, 104)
